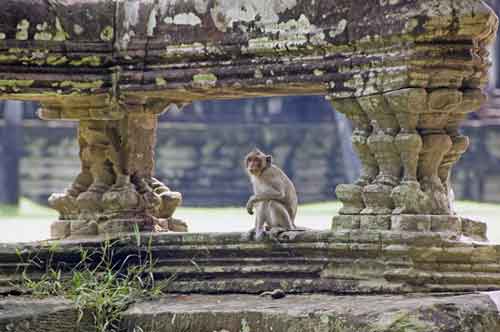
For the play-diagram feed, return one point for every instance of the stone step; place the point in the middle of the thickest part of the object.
(300, 313)
(354, 261)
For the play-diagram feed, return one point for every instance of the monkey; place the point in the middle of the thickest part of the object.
(274, 197)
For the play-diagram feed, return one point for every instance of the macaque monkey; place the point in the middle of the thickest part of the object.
(274, 199)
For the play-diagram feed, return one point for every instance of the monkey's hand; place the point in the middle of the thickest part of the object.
(250, 205)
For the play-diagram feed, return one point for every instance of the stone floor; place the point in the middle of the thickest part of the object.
(475, 312)
(318, 313)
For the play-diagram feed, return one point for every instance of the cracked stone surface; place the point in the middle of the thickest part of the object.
(235, 313)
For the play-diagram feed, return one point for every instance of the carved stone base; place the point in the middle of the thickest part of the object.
(64, 229)
(351, 197)
(410, 199)
(380, 222)
(60, 229)
(377, 198)
(346, 222)
(450, 224)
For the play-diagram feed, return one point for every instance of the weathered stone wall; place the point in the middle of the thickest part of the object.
(477, 174)
(203, 160)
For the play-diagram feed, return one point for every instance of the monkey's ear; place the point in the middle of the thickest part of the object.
(269, 160)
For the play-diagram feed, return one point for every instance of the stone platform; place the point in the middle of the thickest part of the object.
(249, 313)
(334, 262)
(235, 313)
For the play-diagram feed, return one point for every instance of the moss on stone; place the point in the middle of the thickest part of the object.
(22, 30)
(16, 83)
(82, 85)
(204, 80)
(160, 81)
(107, 34)
(56, 60)
(93, 61)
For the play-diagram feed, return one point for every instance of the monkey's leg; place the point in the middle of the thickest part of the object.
(279, 216)
(261, 214)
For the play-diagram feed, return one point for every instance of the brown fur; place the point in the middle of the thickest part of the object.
(274, 199)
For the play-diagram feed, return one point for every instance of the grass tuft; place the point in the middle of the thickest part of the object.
(98, 285)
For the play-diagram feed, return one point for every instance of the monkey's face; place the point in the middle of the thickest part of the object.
(257, 162)
(255, 165)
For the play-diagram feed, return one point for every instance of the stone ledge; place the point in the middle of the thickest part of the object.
(235, 313)
(247, 313)
(22, 314)
(344, 262)
(413, 223)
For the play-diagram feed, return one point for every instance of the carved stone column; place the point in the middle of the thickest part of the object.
(436, 145)
(408, 104)
(115, 191)
(472, 100)
(413, 144)
(377, 195)
(351, 194)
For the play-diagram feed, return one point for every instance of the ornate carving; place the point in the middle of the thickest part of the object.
(361, 131)
(414, 142)
(377, 196)
(408, 104)
(351, 197)
(116, 189)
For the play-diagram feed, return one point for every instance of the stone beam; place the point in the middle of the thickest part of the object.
(109, 50)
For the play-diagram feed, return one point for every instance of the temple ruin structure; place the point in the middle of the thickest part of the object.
(406, 72)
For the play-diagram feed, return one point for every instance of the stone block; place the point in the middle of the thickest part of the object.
(60, 229)
(118, 226)
(411, 223)
(377, 198)
(346, 222)
(351, 198)
(380, 222)
(75, 114)
(83, 228)
(484, 254)
(446, 224)
(105, 114)
(236, 312)
(474, 229)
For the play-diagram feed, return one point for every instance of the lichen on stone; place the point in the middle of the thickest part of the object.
(183, 19)
(93, 61)
(107, 33)
(22, 30)
(82, 85)
(204, 80)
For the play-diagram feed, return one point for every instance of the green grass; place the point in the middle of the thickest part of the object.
(98, 285)
(32, 221)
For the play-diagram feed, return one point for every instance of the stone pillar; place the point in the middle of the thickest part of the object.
(351, 194)
(115, 191)
(410, 142)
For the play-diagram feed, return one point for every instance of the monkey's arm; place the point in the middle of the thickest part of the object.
(267, 195)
